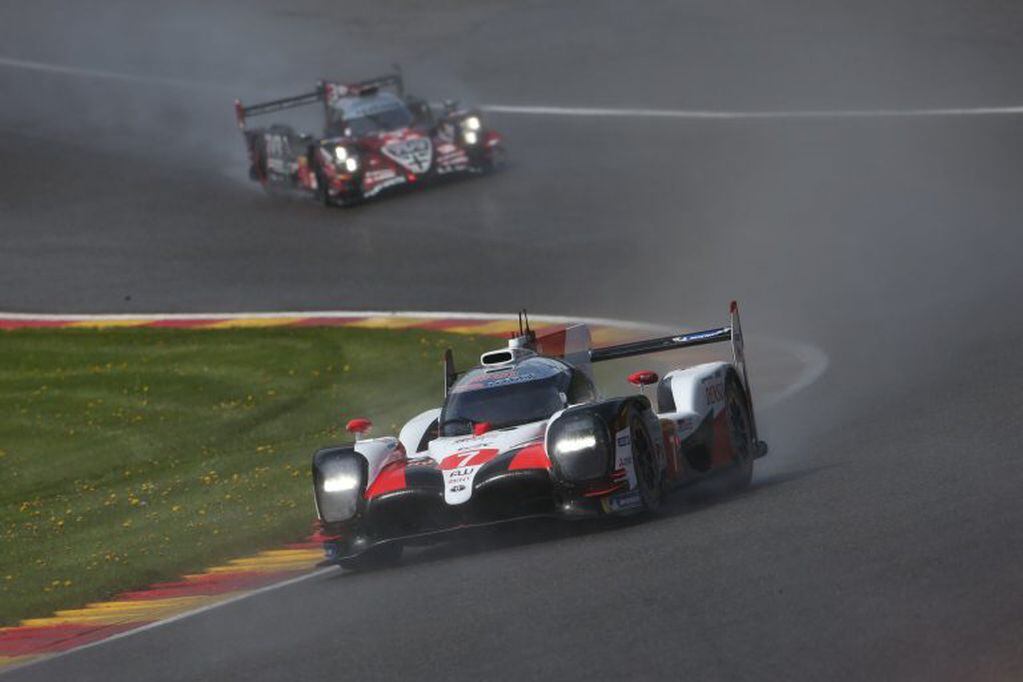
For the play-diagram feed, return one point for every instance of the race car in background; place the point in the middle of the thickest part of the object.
(375, 139)
(527, 434)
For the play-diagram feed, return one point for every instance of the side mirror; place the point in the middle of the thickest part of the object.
(643, 378)
(359, 426)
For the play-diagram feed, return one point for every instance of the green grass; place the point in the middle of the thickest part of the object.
(131, 456)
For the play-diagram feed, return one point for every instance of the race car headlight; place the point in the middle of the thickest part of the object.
(580, 446)
(341, 153)
(338, 484)
(472, 123)
(471, 137)
(351, 164)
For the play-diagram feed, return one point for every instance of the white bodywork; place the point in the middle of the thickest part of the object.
(412, 433)
(463, 456)
(378, 453)
(697, 391)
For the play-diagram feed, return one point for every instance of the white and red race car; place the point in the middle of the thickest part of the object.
(375, 138)
(527, 434)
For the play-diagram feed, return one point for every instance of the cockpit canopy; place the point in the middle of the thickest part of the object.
(359, 115)
(525, 391)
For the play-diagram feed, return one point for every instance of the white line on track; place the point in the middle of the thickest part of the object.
(538, 110)
(705, 114)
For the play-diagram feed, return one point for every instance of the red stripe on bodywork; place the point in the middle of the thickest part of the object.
(530, 457)
(482, 457)
(391, 478)
(469, 458)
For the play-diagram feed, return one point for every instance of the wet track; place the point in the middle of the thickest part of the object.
(881, 539)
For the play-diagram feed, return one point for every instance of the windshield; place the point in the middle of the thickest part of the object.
(392, 118)
(501, 406)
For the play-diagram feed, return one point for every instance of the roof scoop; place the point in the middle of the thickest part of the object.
(520, 346)
(504, 356)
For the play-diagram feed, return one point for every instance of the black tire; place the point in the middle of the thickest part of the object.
(381, 556)
(649, 477)
(740, 474)
(495, 160)
(321, 189)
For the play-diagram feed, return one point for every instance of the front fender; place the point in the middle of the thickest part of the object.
(614, 417)
(372, 455)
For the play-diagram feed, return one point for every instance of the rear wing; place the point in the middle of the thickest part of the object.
(242, 112)
(326, 92)
(732, 333)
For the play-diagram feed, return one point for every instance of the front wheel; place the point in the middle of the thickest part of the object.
(493, 160)
(649, 480)
(322, 195)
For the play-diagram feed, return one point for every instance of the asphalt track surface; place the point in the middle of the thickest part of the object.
(881, 539)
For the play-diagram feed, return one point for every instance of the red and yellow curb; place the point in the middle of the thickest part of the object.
(604, 331)
(69, 629)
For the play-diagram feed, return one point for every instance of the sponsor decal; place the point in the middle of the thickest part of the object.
(380, 186)
(623, 456)
(414, 154)
(420, 462)
(375, 176)
(495, 379)
(334, 91)
(715, 393)
(460, 469)
(623, 502)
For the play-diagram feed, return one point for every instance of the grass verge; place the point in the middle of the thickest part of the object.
(130, 456)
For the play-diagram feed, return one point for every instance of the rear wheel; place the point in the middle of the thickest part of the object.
(644, 459)
(740, 432)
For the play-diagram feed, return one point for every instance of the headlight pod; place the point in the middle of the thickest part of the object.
(470, 129)
(346, 159)
(338, 483)
(580, 446)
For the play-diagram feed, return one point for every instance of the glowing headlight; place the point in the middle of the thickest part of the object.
(574, 443)
(580, 446)
(472, 123)
(341, 153)
(351, 164)
(338, 485)
(340, 482)
(471, 137)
